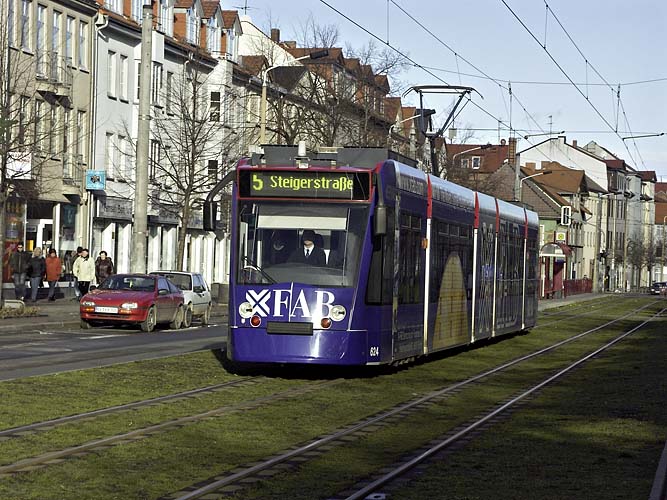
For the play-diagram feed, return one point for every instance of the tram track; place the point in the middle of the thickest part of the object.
(24, 430)
(261, 469)
(436, 447)
(76, 451)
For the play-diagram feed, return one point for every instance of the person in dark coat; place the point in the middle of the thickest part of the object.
(309, 253)
(36, 272)
(103, 267)
(18, 264)
(54, 269)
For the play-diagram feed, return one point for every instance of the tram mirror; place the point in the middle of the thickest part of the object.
(380, 221)
(210, 215)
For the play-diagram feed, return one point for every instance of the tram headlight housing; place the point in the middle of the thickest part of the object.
(245, 310)
(338, 313)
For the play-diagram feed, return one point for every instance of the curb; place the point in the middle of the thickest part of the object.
(65, 323)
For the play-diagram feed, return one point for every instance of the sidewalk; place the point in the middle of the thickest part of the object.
(64, 313)
(545, 304)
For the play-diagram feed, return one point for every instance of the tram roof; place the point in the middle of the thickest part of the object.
(327, 157)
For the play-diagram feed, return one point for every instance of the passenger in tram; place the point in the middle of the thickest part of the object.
(309, 253)
(279, 251)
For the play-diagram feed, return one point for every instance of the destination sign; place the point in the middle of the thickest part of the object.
(304, 184)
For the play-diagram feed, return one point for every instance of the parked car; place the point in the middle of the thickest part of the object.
(134, 298)
(196, 294)
(659, 287)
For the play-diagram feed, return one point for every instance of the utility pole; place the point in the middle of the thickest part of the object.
(140, 226)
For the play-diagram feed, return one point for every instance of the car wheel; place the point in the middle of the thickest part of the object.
(176, 323)
(206, 318)
(148, 325)
(187, 317)
(85, 325)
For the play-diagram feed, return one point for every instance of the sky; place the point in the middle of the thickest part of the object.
(498, 46)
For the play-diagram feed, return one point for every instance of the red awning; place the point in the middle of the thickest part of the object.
(555, 249)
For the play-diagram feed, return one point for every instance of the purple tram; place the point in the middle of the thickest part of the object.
(412, 264)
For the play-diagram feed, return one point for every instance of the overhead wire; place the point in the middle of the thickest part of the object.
(562, 70)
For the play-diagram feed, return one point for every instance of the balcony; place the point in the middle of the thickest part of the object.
(54, 75)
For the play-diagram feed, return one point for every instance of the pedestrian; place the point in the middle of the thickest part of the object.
(36, 271)
(84, 271)
(54, 269)
(18, 264)
(77, 292)
(103, 267)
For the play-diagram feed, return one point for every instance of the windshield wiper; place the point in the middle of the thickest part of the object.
(256, 266)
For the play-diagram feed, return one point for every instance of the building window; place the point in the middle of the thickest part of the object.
(83, 45)
(123, 171)
(55, 47)
(213, 171)
(11, 23)
(155, 159)
(156, 84)
(69, 42)
(67, 163)
(215, 106)
(26, 9)
(137, 67)
(114, 5)
(41, 41)
(40, 126)
(122, 78)
(213, 36)
(81, 128)
(137, 11)
(166, 17)
(112, 73)
(193, 22)
(24, 111)
(54, 123)
(464, 163)
(109, 156)
(167, 97)
(476, 162)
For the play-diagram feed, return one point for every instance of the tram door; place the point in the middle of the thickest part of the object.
(408, 296)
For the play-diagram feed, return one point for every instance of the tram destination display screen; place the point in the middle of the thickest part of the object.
(304, 184)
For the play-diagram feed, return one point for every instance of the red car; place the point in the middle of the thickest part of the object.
(134, 298)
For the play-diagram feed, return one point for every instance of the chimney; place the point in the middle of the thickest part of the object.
(511, 151)
(275, 35)
(574, 143)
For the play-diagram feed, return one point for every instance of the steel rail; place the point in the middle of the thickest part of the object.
(267, 464)
(402, 469)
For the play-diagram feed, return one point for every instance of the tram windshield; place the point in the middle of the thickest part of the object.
(274, 243)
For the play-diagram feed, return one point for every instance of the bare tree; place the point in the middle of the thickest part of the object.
(194, 143)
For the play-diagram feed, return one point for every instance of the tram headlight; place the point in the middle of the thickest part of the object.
(338, 313)
(245, 310)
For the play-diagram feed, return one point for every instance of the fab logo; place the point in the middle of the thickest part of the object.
(290, 304)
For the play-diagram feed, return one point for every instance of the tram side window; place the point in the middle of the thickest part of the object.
(409, 278)
(380, 286)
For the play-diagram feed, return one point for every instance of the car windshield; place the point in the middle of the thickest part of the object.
(182, 281)
(275, 241)
(130, 283)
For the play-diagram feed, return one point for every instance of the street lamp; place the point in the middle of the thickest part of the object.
(425, 113)
(262, 110)
(641, 136)
(544, 133)
(483, 146)
(546, 172)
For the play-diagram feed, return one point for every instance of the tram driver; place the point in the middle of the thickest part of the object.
(309, 253)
